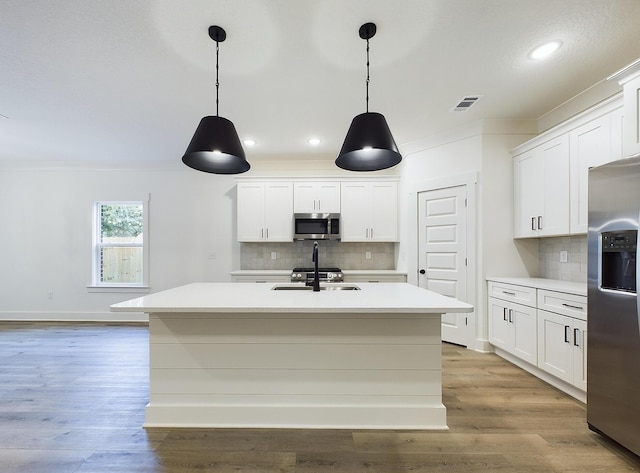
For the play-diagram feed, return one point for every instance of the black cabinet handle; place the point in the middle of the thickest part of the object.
(567, 329)
(576, 333)
(422, 271)
(573, 306)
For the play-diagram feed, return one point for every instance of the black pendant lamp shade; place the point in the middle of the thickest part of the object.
(369, 144)
(215, 146)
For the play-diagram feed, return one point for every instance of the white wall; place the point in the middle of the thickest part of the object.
(483, 149)
(46, 222)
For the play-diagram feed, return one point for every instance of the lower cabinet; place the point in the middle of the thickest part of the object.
(513, 328)
(545, 328)
(374, 277)
(562, 347)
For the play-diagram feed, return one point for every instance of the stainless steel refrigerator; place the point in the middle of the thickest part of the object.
(613, 340)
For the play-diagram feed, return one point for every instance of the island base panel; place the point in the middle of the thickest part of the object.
(335, 370)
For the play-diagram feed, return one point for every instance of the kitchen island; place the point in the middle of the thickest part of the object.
(244, 355)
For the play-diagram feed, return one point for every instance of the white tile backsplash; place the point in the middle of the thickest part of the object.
(575, 269)
(332, 253)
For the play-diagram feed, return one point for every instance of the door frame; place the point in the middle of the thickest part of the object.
(469, 180)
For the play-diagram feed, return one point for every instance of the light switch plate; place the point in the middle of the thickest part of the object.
(564, 256)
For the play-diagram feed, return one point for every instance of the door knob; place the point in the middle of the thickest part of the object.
(422, 271)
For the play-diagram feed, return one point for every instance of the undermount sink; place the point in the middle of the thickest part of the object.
(300, 287)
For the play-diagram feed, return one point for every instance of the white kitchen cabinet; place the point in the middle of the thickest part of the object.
(316, 197)
(617, 125)
(541, 190)
(369, 211)
(512, 320)
(590, 145)
(562, 336)
(631, 111)
(512, 327)
(550, 314)
(265, 211)
(562, 347)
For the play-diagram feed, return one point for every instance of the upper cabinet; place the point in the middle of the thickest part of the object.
(541, 190)
(265, 211)
(368, 208)
(316, 197)
(631, 132)
(590, 145)
(551, 171)
(369, 211)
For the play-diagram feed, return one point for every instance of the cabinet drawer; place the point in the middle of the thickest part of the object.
(510, 292)
(571, 305)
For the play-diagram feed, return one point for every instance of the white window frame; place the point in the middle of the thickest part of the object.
(99, 286)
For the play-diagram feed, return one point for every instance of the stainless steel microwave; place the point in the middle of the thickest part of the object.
(320, 226)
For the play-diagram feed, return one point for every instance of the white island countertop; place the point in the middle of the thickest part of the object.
(260, 298)
(236, 355)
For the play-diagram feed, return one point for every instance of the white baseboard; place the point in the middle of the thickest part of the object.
(482, 346)
(67, 316)
(297, 416)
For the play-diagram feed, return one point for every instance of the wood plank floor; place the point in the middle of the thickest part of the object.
(72, 399)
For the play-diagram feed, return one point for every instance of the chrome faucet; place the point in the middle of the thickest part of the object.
(316, 276)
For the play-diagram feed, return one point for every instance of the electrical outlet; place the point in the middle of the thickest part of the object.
(367, 255)
(274, 255)
(564, 256)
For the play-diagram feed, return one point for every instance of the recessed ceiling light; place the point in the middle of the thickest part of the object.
(545, 50)
(313, 141)
(249, 142)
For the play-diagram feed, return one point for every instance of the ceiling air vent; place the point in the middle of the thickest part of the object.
(466, 102)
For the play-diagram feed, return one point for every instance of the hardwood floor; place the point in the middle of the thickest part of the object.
(72, 399)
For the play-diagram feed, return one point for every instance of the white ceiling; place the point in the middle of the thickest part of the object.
(128, 80)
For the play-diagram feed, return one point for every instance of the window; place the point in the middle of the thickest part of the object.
(120, 244)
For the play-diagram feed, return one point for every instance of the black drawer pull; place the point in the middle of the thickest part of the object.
(509, 293)
(573, 306)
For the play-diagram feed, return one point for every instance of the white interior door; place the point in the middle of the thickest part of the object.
(442, 252)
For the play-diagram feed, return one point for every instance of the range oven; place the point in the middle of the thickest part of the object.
(305, 275)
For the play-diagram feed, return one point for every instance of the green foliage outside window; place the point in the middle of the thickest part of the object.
(121, 220)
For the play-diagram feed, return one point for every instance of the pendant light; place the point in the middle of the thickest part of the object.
(215, 146)
(369, 145)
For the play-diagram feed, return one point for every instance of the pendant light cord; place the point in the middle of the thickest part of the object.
(367, 75)
(217, 82)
